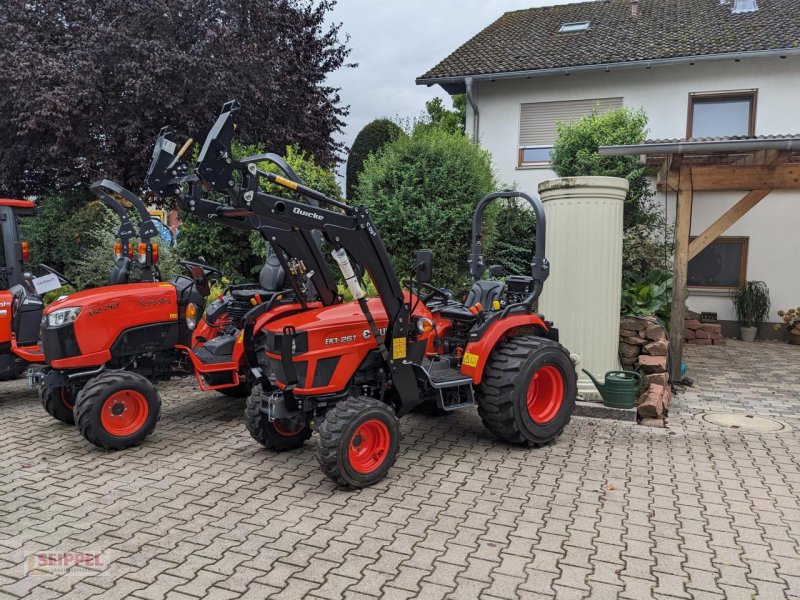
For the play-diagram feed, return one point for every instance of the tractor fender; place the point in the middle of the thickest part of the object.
(477, 353)
(6, 299)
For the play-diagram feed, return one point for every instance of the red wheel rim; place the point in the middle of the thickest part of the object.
(124, 412)
(369, 446)
(66, 398)
(545, 394)
(284, 428)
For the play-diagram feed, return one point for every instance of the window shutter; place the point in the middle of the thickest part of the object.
(537, 124)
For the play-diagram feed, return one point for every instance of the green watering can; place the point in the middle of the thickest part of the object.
(620, 388)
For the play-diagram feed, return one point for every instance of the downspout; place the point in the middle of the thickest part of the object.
(474, 105)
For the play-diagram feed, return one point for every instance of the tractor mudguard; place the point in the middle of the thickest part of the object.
(5, 316)
(477, 353)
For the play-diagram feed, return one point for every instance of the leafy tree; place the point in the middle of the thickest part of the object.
(422, 190)
(370, 139)
(452, 121)
(88, 83)
(575, 153)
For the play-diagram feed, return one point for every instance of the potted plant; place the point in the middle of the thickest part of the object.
(751, 302)
(792, 318)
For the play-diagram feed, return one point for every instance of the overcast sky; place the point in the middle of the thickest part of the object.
(395, 41)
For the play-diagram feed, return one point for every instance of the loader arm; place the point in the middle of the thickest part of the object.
(343, 227)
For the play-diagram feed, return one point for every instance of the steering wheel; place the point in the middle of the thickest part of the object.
(207, 269)
(434, 292)
(61, 277)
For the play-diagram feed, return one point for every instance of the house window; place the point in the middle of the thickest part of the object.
(721, 264)
(721, 115)
(574, 27)
(537, 125)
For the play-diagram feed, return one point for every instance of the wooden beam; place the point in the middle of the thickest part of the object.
(721, 225)
(683, 226)
(784, 176)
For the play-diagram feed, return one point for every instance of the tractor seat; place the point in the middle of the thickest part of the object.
(455, 312)
(271, 280)
(121, 272)
(485, 292)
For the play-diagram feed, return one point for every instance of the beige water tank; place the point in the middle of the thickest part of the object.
(584, 247)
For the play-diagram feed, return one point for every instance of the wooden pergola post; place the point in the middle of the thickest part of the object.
(683, 225)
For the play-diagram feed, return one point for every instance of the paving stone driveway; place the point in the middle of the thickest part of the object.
(611, 510)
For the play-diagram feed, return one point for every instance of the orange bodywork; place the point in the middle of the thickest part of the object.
(107, 311)
(473, 367)
(5, 316)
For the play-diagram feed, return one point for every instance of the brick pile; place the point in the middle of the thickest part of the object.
(643, 346)
(702, 334)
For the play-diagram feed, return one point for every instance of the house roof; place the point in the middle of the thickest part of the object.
(786, 142)
(526, 41)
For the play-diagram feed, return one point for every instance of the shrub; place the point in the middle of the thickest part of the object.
(370, 139)
(575, 153)
(650, 296)
(751, 303)
(421, 191)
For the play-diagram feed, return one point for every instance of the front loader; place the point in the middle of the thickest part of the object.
(350, 370)
(109, 345)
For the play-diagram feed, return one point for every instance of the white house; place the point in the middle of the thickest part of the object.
(699, 68)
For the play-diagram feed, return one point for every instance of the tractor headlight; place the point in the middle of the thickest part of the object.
(191, 315)
(63, 316)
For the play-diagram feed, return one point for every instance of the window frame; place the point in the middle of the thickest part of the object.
(750, 95)
(575, 27)
(745, 242)
(532, 164)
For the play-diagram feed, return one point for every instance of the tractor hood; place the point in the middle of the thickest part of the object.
(130, 294)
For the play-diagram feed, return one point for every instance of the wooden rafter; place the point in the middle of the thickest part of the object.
(784, 176)
(721, 225)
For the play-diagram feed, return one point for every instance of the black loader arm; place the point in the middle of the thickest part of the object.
(167, 175)
(349, 230)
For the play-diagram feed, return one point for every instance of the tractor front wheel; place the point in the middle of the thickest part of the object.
(58, 402)
(527, 394)
(277, 435)
(358, 442)
(117, 410)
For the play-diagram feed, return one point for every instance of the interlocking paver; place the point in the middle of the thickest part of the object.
(611, 510)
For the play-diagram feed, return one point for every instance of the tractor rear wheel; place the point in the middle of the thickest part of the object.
(58, 402)
(117, 410)
(527, 393)
(358, 441)
(279, 434)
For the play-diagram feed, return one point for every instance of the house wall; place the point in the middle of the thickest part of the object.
(663, 92)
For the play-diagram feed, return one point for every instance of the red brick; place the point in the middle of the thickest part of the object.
(652, 404)
(714, 335)
(705, 342)
(655, 332)
(689, 334)
(654, 364)
(623, 333)
(639, 341)
(657, 378)
(629, 350)
(657, 348)
(702, 334)
(692, 324)
(711, 327)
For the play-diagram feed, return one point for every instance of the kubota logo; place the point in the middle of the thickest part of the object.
(307, 213)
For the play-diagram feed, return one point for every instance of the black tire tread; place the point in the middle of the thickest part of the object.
(495, 392)
(94, 392)
(50, 398)
(331, 429)
(254, 420)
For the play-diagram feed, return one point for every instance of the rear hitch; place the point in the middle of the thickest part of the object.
(35, 377)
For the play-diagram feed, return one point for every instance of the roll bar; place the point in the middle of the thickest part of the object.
(103, 188)
(540, 266)
(126, 230)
